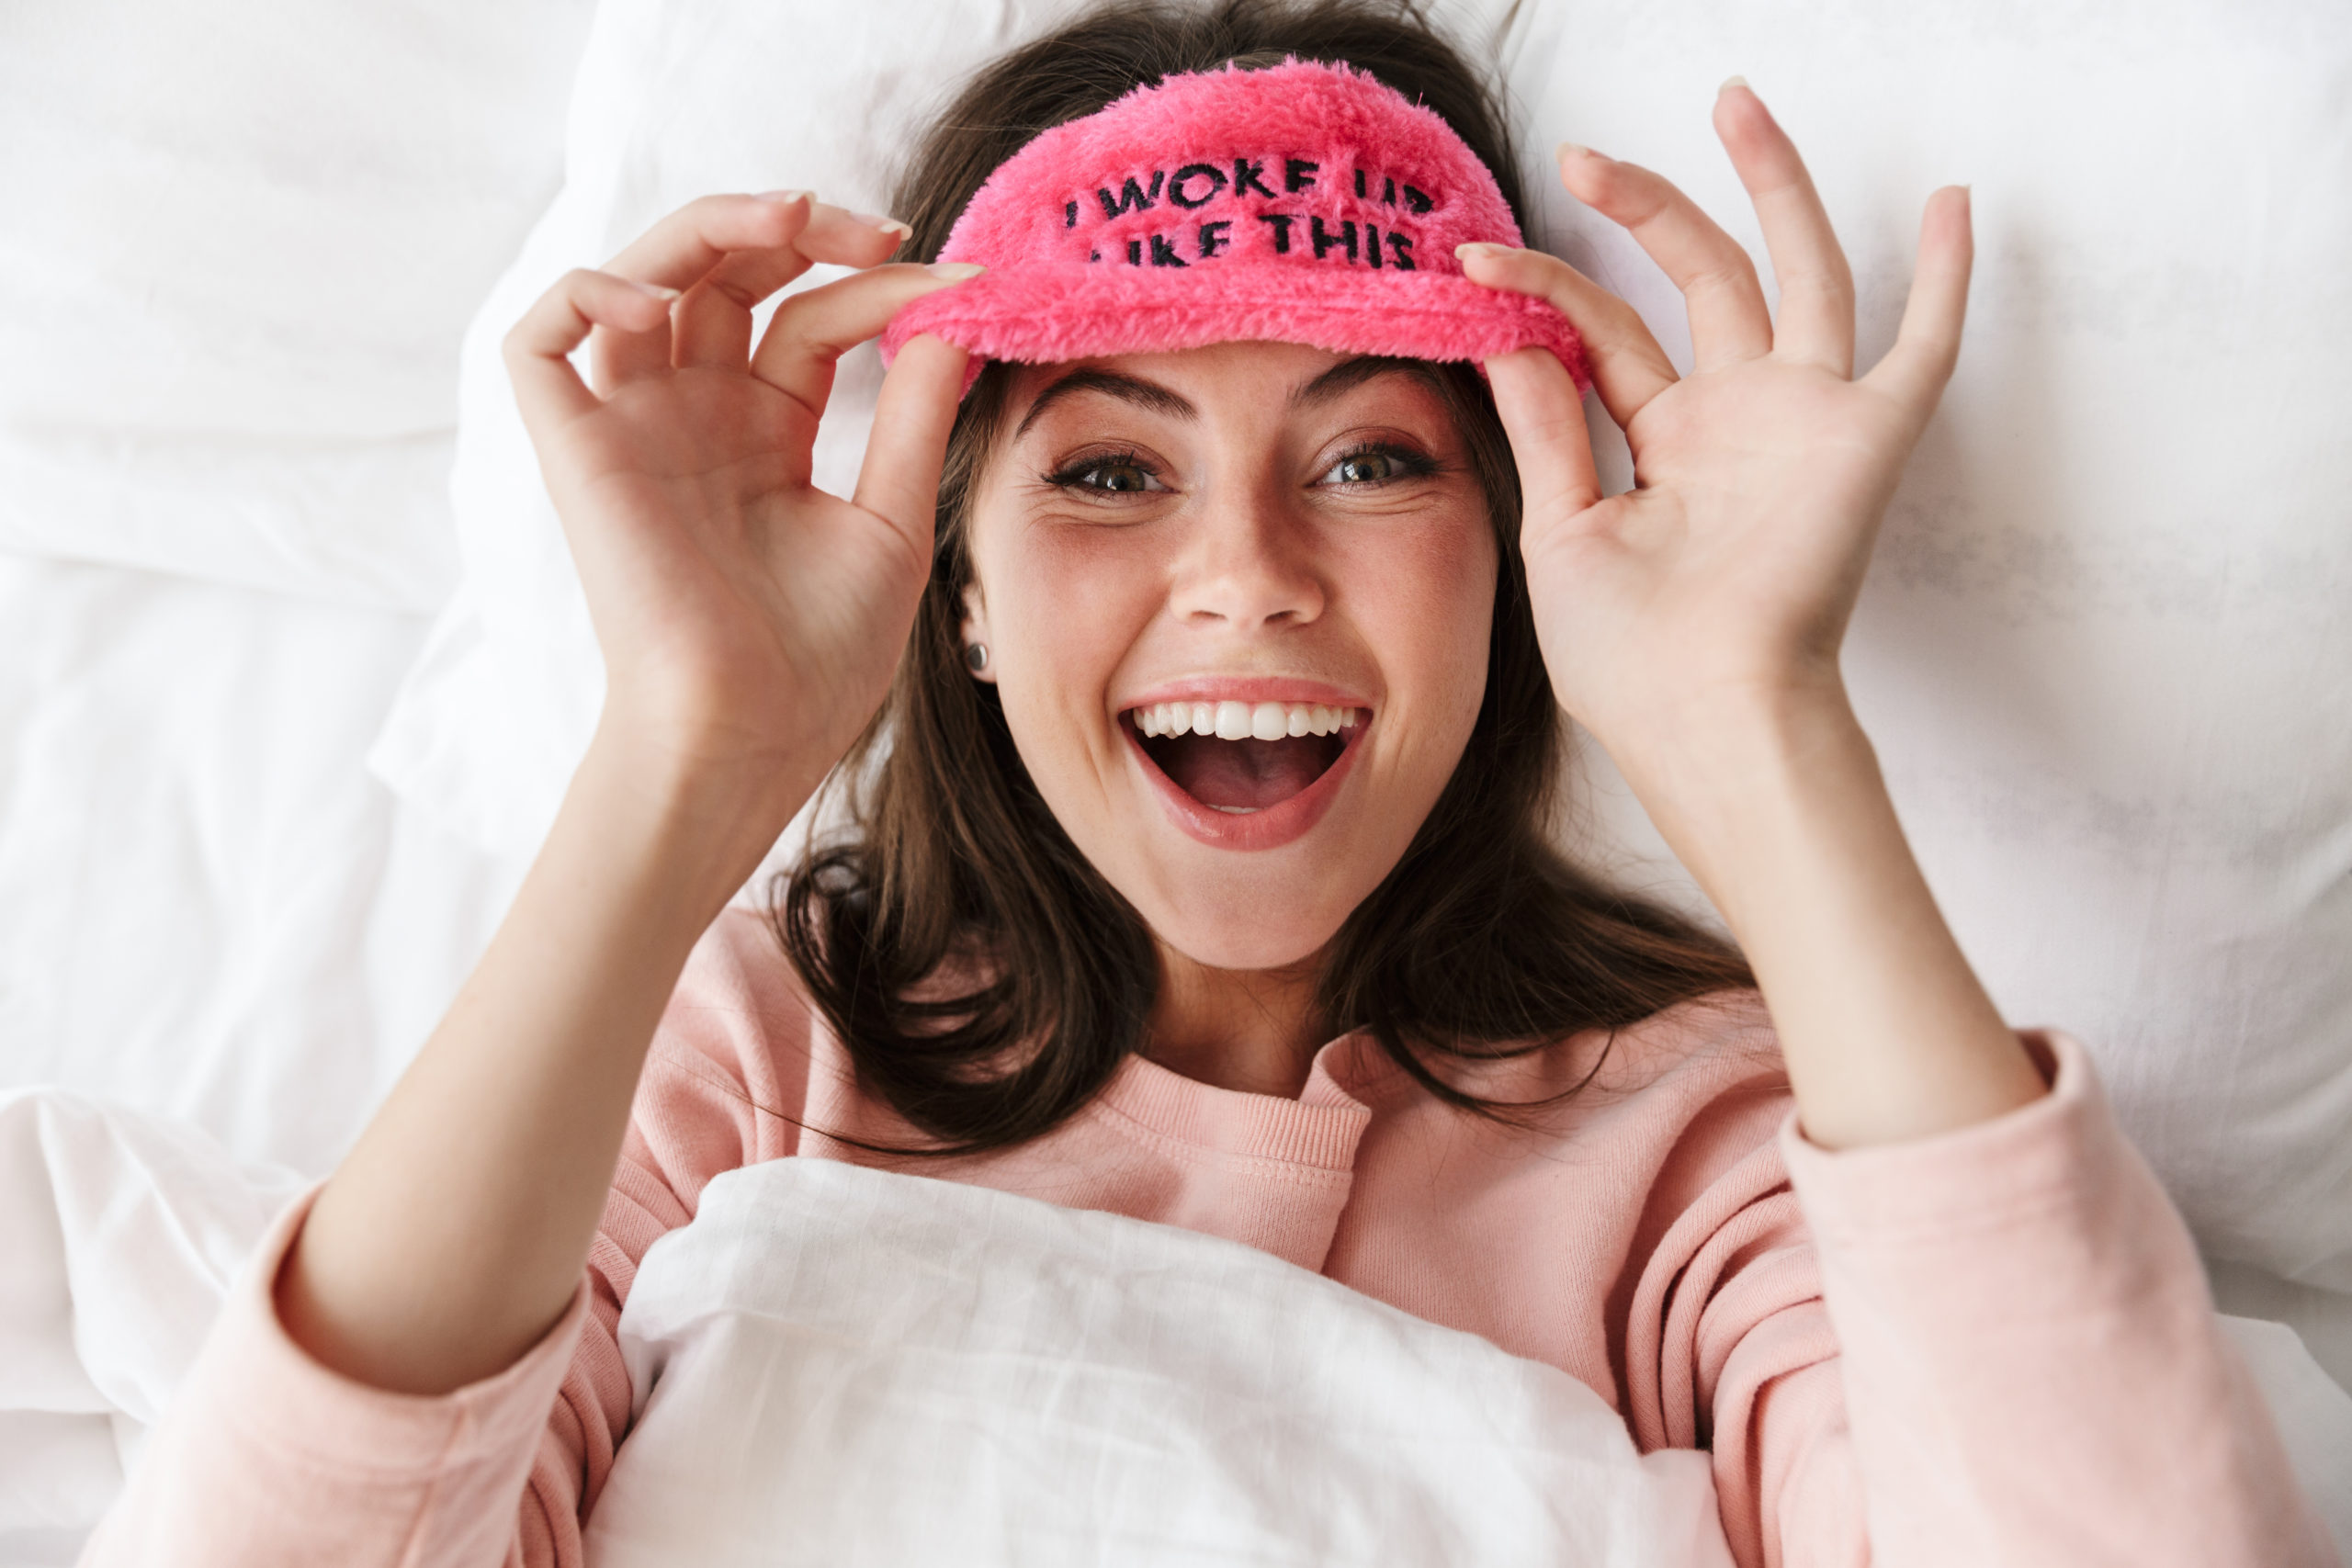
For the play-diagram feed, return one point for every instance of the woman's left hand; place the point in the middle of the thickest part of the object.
(1727, 575)
(1692, 623)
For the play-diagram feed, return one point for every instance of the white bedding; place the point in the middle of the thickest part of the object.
(237, 242)
(2103, 649)
(840, 1366)
(1056, 1386)
(211, 911)
(122, 1232)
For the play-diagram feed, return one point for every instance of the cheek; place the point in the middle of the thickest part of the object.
(1426, 606)
(1063, 607)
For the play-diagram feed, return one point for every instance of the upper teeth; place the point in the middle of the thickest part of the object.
(1243, 721)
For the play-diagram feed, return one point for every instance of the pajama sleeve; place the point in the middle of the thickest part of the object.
(2013, 1358)
(268, 1458)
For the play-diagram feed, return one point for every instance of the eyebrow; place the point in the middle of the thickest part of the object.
(1336, 382)
(1349, 374)
(1109, 383)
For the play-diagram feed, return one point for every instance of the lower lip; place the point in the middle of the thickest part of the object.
(1267, 829)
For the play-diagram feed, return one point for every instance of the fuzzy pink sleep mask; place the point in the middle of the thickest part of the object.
(1300, 203)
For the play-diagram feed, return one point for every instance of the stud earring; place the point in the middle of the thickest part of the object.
(976, 654)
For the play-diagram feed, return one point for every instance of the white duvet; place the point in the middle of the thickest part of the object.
(852, 1367)
(120, 1235)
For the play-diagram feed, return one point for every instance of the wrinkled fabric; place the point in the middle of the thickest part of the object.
(999, 1383)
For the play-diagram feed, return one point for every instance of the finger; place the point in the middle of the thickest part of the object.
(1544, 416)
(899, 479)
(538, 348)
(1928, 343)
(814, 328)
(1628, 367)
(1728, 321)
(714, 320)
(832, 234)
(617, 358)
(1816, 319)
(678, 251)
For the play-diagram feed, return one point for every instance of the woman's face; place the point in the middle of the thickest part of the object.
(1237, 602)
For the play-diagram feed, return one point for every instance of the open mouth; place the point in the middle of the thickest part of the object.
(1244, 758)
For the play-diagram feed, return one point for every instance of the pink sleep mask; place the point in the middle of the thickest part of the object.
(1300, 203)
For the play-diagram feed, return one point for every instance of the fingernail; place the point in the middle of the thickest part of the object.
(959, 270)
(1476, 248)
(888, 225)
(782, 197)
(1573, 150)
(657, 291)
(1731, 81)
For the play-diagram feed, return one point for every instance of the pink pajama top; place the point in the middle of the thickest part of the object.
(1992, 1347)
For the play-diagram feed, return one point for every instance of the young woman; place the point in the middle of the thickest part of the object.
(1218, 631)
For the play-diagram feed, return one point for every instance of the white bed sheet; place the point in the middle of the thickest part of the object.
(238, 241)
(209, 909)
(122, 1232)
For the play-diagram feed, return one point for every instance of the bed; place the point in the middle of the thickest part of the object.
(292, 668)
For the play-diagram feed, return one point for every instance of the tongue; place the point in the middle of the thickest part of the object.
(1243, 774)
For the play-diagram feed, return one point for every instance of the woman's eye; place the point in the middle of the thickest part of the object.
(1370, 467)
(1113, 476)
(1119, 477)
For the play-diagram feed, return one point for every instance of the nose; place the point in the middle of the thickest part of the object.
(1248, 562)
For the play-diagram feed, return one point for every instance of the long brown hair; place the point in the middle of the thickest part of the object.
(983, 977)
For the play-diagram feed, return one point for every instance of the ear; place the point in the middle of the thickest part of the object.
(975, 629)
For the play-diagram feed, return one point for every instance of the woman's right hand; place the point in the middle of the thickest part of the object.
(749, 626)
(749, 622)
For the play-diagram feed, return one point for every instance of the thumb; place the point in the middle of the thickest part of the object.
(899, 480)
(1542, 414)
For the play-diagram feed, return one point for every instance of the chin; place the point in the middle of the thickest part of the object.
(1251, 923)
(1232, 909)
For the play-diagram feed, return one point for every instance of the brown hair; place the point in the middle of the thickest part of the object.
(983, 977)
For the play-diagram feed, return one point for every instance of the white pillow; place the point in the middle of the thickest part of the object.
(2102, 649)
(842, 1365)
(242, 240)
